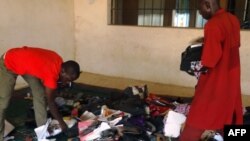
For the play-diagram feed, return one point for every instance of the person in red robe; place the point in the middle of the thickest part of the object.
(217, 99)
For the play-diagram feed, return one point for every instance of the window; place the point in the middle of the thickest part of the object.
(240, 8)
(151, 12)
(171, 13)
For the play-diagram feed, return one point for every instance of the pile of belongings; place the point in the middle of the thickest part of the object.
(132, 115)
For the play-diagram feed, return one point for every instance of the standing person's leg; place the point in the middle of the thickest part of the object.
(39, 100)
(7, 84)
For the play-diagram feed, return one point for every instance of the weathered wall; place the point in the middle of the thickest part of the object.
(143, 53)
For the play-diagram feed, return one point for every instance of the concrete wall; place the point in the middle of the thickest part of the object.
(144, 53)
(42, 23)
(78, 29)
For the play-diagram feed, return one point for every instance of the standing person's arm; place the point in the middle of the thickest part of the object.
(53, 108)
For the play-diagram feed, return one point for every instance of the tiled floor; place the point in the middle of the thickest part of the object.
(122, 83)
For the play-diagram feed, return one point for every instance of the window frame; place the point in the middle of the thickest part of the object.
(126, 12)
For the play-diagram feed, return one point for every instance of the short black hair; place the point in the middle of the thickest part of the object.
(72, 68)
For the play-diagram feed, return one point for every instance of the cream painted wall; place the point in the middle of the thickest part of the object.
(41, 23)
(143, 53)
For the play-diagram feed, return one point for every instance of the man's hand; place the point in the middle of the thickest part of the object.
(197, 40)
(63, 126)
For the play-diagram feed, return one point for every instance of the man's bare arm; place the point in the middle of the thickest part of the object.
(50, 95)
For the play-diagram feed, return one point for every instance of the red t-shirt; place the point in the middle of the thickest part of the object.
(218, 92)
(41, 63)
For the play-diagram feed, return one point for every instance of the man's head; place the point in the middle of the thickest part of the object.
(207, 8)
(70, 71)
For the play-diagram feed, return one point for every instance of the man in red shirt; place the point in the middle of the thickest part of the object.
(217, 99)
(41, 69)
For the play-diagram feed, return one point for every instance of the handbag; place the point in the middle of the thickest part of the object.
(191, 54)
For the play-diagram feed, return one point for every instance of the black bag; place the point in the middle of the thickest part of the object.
(192, 53)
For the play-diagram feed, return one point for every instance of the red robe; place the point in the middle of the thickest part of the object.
(218, 92)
